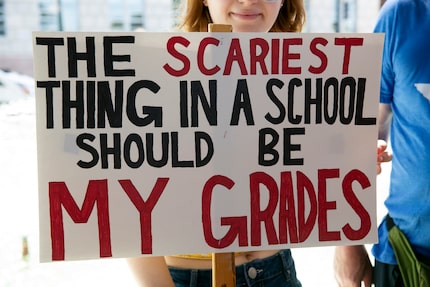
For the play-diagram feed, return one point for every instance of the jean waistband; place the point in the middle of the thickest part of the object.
(264, 268)
(257, 269)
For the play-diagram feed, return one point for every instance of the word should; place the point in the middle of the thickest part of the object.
(135, 149)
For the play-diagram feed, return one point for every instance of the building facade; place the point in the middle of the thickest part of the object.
(345, 16)
(18, 18)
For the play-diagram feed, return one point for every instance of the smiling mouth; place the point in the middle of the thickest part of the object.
(245, 15)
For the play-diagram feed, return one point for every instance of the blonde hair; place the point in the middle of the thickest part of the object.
(196, 17)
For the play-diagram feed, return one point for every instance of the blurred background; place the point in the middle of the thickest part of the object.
(19, 264)
(18, 18)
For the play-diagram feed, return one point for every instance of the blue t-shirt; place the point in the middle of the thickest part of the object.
(405, 84)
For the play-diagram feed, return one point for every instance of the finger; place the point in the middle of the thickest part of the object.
(381, 143)
(381, 146)
(378, 169)
(384, 157)
(367, 280)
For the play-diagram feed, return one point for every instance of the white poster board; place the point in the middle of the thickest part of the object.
(167, 143)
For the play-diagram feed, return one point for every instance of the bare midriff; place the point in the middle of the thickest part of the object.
(239, 259)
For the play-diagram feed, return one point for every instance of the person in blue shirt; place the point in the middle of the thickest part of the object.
(404, 118)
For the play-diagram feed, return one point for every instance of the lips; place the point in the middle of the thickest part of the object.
(246, 15)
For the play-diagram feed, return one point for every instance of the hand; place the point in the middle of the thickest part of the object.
(352, 266)
(382, 155)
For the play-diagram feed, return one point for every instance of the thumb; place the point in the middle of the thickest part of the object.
(368, 277)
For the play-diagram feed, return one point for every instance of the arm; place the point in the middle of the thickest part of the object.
(384, 122)
(352, 266)
(150, 271)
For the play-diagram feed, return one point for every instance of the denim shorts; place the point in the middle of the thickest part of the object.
(277, 270)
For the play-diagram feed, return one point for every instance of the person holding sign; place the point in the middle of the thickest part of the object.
(269, 268)
(404, 113)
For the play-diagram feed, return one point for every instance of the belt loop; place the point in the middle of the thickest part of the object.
(194, 277)
(286, 258)
(283, 256)
(389, 222)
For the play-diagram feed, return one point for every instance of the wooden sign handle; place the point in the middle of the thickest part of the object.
(223, 270)
(219, 28)
(223, 265)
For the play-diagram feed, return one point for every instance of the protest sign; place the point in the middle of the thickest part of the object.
(167, 143)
